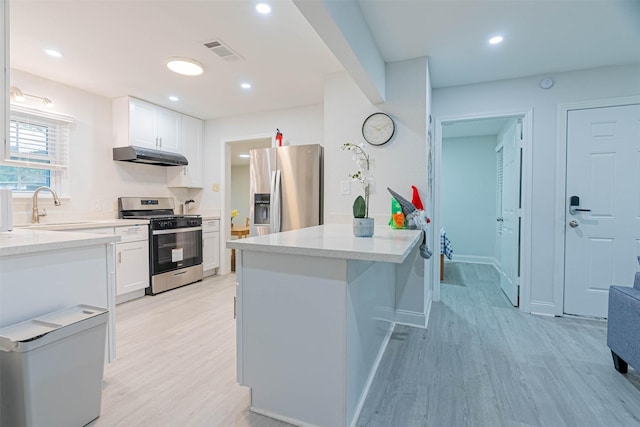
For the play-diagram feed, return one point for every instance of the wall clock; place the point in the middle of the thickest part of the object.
(378, 129)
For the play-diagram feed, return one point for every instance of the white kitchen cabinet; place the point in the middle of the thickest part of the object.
(132, 262)
(210, 246)
(141, 123)
(189, 176)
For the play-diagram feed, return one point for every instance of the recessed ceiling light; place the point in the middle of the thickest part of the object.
(184, 66)
(244, 156)
(245, 85)
(174, 98)
(496, 40)
(263, 8)
(53, 53)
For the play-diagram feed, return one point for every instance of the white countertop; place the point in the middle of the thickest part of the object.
(81, 224)
(26, 241)
(335, 241)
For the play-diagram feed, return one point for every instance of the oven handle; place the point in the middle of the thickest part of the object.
(176, 230)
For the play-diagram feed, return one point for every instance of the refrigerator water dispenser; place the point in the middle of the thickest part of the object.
(261, 205)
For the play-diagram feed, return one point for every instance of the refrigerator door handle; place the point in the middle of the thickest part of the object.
(275, 202)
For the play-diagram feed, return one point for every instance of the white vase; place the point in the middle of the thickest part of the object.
(363, 227)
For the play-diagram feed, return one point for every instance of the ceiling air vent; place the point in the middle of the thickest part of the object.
(222, 50)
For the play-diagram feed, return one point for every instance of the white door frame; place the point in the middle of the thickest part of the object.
(527, 157)
(225, 220)
(561, 183)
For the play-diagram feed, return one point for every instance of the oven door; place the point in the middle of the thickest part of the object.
(175, 249)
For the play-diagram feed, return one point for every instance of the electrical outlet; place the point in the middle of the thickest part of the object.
(345, 187)
(215, 188)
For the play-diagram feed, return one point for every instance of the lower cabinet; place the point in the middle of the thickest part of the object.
(210, 246)
(132, 262)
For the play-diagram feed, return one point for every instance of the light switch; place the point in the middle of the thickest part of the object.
(345, 187)
(97, 204)
(215, 188)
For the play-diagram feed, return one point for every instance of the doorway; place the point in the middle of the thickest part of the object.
(498, 214)
(602, 205)
(236, 200)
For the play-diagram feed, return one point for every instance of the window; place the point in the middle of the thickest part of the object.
(37, 150)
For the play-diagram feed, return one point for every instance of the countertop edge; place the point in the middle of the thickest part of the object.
(242, 244)
(74, 240)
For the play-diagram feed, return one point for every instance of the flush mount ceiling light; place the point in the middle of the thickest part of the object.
(244, 156)
(54, 53)
(245, 85)
(184, 66)
(263, 8)
(174, 98)
(496, 40)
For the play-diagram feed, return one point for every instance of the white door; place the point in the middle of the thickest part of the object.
(602, 231)
(509, 218)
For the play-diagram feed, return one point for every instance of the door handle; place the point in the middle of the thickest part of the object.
(574, 202)
(500, 219)
(573, 223)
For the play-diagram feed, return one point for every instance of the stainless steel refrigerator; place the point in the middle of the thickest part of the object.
(286, 188)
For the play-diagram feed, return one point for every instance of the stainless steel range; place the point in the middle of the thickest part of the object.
(175, 241)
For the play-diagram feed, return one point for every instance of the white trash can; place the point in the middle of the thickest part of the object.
(51, 368)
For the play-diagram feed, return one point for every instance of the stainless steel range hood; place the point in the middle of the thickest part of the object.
(137, 154)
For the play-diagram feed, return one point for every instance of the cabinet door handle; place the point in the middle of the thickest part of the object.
(160, 142)
(120, 257)
(235, 305)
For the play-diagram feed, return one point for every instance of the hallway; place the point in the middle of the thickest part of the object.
(481, 362)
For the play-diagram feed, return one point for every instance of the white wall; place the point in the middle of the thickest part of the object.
(95, 180)
(468, 200)
(301, 125)
(240, 193)
(521, 95)
(398, 164)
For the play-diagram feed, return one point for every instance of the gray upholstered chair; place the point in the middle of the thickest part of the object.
(623, 332)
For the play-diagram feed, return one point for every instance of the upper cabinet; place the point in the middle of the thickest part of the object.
(140, 123)
(189, 176)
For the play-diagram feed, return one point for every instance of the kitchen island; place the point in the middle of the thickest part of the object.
(43, 271)
(315, 310)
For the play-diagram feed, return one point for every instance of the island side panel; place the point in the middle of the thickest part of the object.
(412, 292)
(293, 336)
(370, 317)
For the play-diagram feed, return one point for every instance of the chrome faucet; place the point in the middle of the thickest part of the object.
(35, 214)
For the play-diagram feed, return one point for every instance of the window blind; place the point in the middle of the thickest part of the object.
(37, 139)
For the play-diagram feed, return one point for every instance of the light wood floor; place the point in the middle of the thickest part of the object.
(176, 360)
(483, 363)
(480, 363)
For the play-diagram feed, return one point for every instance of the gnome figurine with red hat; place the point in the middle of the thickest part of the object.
(415, 218)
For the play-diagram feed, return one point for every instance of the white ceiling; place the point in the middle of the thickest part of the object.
(540, 36)
(115, 48)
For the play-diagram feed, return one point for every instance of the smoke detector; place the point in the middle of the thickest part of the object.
(222, 50)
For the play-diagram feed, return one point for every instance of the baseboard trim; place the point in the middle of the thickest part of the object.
(473, 259)
(372, 374)
(280, 417)
(411, 318)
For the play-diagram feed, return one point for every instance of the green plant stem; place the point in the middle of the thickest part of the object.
(366, 201)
